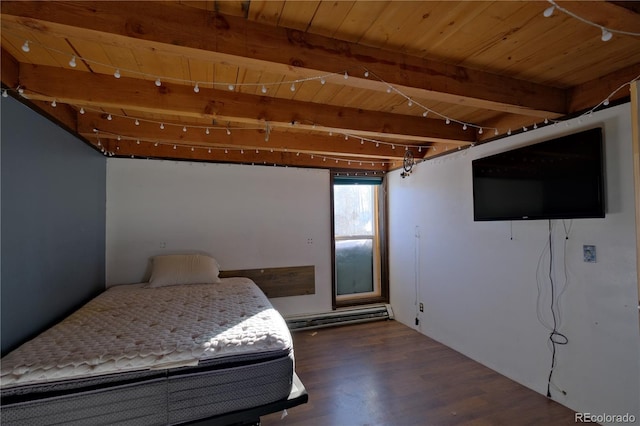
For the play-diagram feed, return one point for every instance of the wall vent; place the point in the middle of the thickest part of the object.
(340, 317)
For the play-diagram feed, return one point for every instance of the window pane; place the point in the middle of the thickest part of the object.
(353, 209)
(354, 266)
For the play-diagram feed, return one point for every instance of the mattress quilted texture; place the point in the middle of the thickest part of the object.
(131, 328)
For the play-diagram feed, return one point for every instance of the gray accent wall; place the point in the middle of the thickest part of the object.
(53, 223)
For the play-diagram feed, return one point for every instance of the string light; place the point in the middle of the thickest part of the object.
(607, 33)
(196, 88)
(53, 103)
(25, 46)
(5, 94)
(549, 11)
(72, 62)
(137, 122)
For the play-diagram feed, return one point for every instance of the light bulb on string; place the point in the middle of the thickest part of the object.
(264, 89)
(116, 74)
(72, 62)
(464, 127)
(366, 73)
(228, 132)
(410, 102)
(207, 131)
(480, 131)
(606, 34)
(109, 117)
(322, 81)
(549, 11)
(184, 128)
(605, 102)
(161, 126)
(424, 114)
(231, 87)
(158, 82)
(196, 88)
(346, 76)
(54, 104)
(25, 46)
(5, 94)
(293, 87)
(448, 121)
(137, 122)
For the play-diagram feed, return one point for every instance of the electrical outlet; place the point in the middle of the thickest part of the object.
(589, 253)
(421, 307)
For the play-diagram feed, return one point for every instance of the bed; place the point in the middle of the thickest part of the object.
(184, 347)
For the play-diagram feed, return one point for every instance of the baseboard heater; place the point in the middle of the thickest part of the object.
(340, 317)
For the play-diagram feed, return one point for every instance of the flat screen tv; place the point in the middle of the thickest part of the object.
(562, 178)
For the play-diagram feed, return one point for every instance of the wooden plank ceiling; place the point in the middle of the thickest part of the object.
(346, 85)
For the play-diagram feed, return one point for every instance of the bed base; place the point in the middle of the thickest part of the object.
(251, 416)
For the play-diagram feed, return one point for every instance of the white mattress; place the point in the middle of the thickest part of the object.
(129, 328)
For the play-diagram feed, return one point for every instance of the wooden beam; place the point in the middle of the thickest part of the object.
(145, 149)
(595, 91)
(176, 29)
(10, 70)
(239, 138)
(78, 87)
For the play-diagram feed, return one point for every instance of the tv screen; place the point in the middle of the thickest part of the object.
(562, 178)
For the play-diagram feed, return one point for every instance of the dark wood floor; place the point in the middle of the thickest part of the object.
(385, 373)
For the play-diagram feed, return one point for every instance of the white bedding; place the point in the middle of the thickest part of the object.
(131, 328)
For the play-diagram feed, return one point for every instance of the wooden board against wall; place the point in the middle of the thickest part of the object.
(279, 282)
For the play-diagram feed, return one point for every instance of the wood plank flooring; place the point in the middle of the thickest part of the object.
(384, 373)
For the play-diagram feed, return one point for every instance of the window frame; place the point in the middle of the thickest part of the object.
(382, 258)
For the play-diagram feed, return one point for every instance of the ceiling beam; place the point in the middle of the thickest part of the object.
(175, 28)
(102, 91)
(167, 151)
(612, 86)
(239, 138)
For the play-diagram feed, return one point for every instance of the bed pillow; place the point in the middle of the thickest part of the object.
(178, 269)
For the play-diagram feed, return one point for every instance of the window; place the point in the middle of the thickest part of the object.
(358, 247)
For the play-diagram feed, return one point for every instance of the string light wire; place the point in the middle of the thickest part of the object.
(606, 32)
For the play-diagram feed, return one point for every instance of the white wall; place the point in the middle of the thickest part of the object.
(479, 286)
(245, 216)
